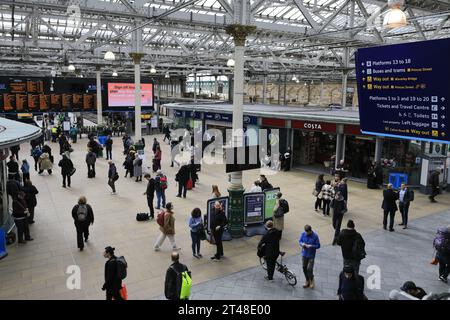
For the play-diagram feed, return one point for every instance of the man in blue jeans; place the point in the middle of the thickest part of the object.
(309, 241)
(160, 188)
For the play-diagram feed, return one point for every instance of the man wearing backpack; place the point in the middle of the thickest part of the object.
(160, 188)
(405, 197)
(352, 245)
(113, 279)
(442, 245)
(177, 285)
(83, 216)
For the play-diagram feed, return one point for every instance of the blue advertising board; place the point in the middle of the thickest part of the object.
(178, 113)
(404, 90)
(225, 117)
(254, 207)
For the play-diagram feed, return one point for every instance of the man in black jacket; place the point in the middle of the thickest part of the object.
(15, 151)
(218, 223)
(351, 285)
(351, 253)
(171, 287)
(271, 243)
(264, 183)
(434, 183)
(66, 168)
(112, 176)
(150, 193)
(108, 146)
(389, 206)
(113, 283)
(13, 168)
(83, 216)
(183, 176)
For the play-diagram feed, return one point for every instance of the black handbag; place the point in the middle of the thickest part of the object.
(202, 234)
(72, 171)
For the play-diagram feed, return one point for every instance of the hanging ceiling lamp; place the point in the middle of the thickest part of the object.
(395, 17)
(71, 67)
(109, 55)
(114, 74)
(152, 70)
(230, 62)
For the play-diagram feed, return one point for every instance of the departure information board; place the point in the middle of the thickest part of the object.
(404, 90)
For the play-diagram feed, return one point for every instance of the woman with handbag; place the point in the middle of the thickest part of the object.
(197, 231)
(20, 215)
(320, 182)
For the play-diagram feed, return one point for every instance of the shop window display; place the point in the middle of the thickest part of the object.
(399, 156)
(314, 149)
(359, 154)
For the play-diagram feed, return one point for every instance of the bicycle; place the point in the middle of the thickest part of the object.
(282, 268)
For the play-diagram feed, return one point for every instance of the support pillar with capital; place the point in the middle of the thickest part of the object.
(137, 95)
(236, 189)
(99, 96)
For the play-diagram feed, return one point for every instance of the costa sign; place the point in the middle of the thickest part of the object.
(314, 126)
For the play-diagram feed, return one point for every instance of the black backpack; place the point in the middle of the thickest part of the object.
(121, 267)
(139, 163)
(358, 250)
(411, 195)
(285, 205)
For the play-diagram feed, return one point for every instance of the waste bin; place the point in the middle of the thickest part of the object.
(396, 179)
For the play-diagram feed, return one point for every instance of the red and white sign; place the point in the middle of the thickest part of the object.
(314, 126)
(122, 95)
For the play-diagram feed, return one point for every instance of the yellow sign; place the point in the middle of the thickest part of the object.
(435, 133)
(146, 116)
(24, 115)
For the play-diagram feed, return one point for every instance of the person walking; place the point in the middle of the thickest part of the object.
(25, 168)
(215, 192)
(155, 145)
(15, 151)
(405, 196)
(20, 215)
(173, 152)
(30, 198)
(264, 183)
(327, 195)
(113, 283)
(91, 158)
(158, 157)
(167, 229)
(389, 206)
(160, 189)
(150, 193)
(108, 146)
(218, 223)
(36, 153)
(13, 168)
(352, 245)
(433, 181)
(182, 177)
(338, 214)
(171, 285)
(128, 164)
(441, 244)
(320, 182)
(113, 176)
(278, 214)
(309, 242)
(351, 285)
(83, 217)
(343, 189)
(137, 167)
(66, 169)
(270, 246)
(45, 163)
(196, 228)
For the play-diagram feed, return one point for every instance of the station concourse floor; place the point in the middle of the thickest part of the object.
(36, 270)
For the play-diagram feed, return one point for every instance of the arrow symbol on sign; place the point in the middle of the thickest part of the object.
(443, 117)
(363, 71)
(443, 134)
(442, 108)
(443, 125)
(442, 99)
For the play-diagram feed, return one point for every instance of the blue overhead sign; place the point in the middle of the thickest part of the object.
(404, 90)
(178, 113)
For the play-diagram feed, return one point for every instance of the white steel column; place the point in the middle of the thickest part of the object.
(137, 95)
(99, 96)
(216, 86)
(195, 87)
(264, 97)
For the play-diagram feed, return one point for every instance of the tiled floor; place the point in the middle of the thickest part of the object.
(37, 270)
(400, 256)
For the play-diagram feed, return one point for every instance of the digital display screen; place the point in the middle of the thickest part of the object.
(122, 95)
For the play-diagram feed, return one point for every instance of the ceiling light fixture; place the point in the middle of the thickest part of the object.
(230, 62)
(395, 17)
(109, 55)
(114, 74)
(71, 67)
(152, 70)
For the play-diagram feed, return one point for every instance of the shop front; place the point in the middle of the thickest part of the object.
(272, 124)
(359, 151)
(314, 145)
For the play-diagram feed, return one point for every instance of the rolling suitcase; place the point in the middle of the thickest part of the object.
(189, 184)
